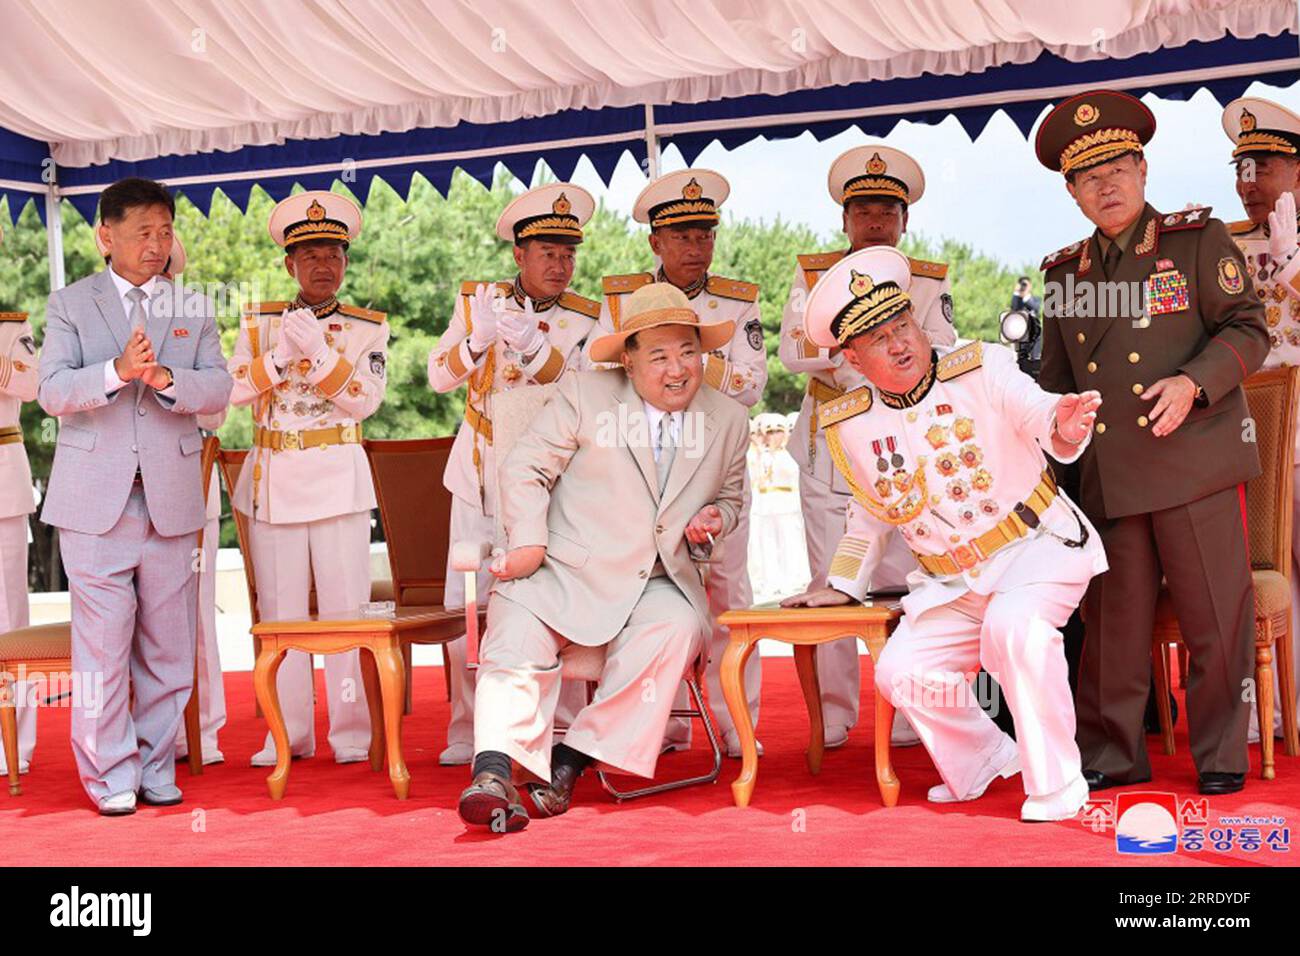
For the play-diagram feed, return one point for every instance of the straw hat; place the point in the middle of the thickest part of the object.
(653, 305)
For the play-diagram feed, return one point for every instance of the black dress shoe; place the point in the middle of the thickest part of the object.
(553, 800)
(1214, 782)
(492, 801)
(1097, 780)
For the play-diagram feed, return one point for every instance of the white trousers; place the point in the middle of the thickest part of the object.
(212, 691)
(13, 615)
(335, 552)
(519, 684)
(468, 523)
(729, 588)
(1015, 636)
(1253, 734)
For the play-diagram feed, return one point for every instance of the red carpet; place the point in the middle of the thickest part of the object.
(347, 816)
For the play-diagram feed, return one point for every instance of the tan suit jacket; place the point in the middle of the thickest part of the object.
(582, 482)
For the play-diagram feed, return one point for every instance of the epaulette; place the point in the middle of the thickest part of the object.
(469, 288)
(580, 304)
(931, 270)
(845, 407)
(618, 285)
(366, 315)
(1072, 251)
(732, 289)
(13, 316)
(1193, 218)
(1241, 227)
(266, 308)
(819, 261)
(963, 360)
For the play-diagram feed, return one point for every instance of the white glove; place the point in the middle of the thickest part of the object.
(520, 330)
(284, 351)
(1282, 230)
(483, 311)
(304, 331)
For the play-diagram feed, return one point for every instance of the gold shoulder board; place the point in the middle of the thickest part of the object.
(266, 308)
(931, 270)
(618, 285)
(366, 315)
(1072, 251)
(845, 407)
(580, 304)
(819, 261)
(732, 289)
(1241, 227)
(965, 359)
(467, 288)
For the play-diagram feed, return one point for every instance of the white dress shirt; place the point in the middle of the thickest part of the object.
(653, 415)
(112, 381)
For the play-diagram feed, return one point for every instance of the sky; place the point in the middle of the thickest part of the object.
(990, 193)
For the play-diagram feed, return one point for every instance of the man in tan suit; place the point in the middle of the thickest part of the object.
(624, 479)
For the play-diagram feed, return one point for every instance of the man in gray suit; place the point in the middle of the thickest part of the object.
(128, 361)
(606, 502)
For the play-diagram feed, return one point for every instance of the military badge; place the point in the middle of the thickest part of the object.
(181, 333)
(946, 464)
(945, 303)
(943, 409)
(304, 366)
(964, 429)
(971, 455)
(1292, 335)
(1086, 114)
(989, 506)
(937, 436)
(335, 327)
(957, 490)
(1247, 121)
(982, 480)
(377, 364)
(966, 515)
(876, 166)
(1167, 292)
(1231, 280)
(1273, 314)
(883, 487)
(754, 332)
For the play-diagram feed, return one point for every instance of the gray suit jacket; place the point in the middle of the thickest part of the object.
(582, 482)
(103, 438)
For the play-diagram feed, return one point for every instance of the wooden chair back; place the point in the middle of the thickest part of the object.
(415, 508)
(1273, 396)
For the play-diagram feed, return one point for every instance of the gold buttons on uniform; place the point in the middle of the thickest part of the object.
(713, 303)
(1142, 421)
(1137, 388)
(1082, 338)
(935, 499)
(911, 416)
(1101, 428)
(1134, 358)
(1092, 366)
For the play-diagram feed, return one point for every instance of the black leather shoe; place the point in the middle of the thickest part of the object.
(1214, 783)
(492, 801)
(1099, 781)
(553, 800)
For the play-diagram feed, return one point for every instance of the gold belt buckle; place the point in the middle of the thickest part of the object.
(348, 433)
(965, 557)
(289, 441)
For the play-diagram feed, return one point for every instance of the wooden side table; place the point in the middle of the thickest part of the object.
(382, 670)
(805, 628)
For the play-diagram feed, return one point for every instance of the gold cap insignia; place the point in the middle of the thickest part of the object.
(876, 166)
(561, 206)
(1086, 114)
(1247, 120)
(860, 283)
(315, 212)
(692, 190)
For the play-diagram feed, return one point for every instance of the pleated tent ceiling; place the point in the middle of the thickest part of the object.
(228, 94)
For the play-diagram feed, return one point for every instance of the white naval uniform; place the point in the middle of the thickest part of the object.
(17, 385)
(740, 372)
(1279, 290)
(566, 325)
(212, 689)
(310, 506)
(823, 493)
(778, 563)
(959, 457)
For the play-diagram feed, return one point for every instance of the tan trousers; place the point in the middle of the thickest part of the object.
(518, 684)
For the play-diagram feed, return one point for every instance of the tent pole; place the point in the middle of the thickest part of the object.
(54, 236)
(651, 143)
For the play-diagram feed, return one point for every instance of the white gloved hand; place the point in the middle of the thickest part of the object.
(483, 311)
(285, 350)
(304, 330)
(520, 330)
(1282, 230)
